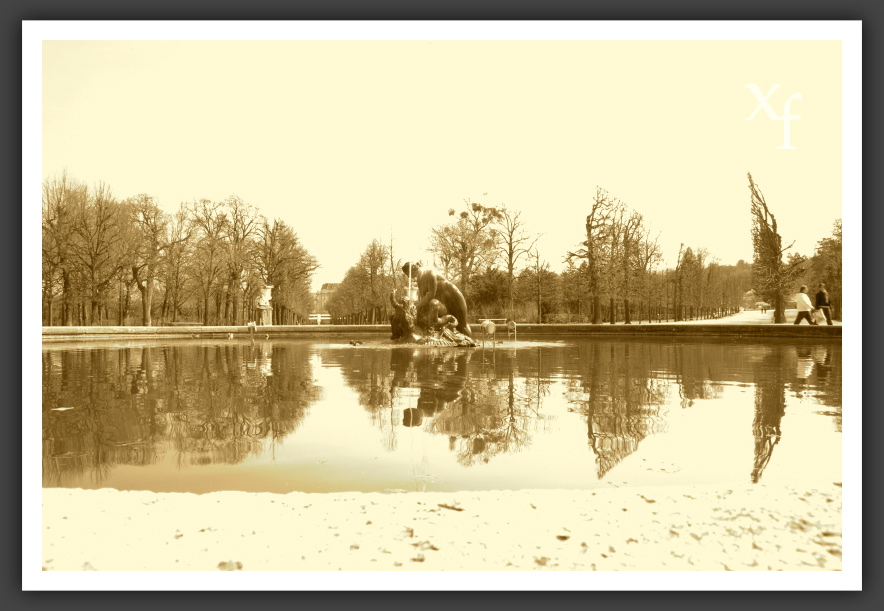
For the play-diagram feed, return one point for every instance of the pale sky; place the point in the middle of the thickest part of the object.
(351, 141)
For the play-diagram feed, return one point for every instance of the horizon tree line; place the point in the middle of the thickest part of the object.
(102, 256)
(614, 275)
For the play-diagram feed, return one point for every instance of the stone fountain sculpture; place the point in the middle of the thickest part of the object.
(433, 311)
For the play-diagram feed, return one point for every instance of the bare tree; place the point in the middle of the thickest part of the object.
(513, 244)
(618, 257)
(63, 198)
(51, 283)
(102, 239)
(209, 222)
(242, 225)
(573, 289)
(366, 287)
(468, 243)
(282, 262)
(597, 228)
(152, 246)
(683, 279)
(648, 257)
(176, 272)
(539, 285)
(629, 258)
(380, 284)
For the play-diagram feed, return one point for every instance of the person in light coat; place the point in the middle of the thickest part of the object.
(805, 308)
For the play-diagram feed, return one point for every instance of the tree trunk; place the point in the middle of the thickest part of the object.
(596, 310)
(539, 304)
(626, 320)
(125, 304)
(165, 307)
(779, 309)
(67, 306)
(235, 302)
(146, 298)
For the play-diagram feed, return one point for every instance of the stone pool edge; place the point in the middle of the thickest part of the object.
(672, 528)
(57, 334)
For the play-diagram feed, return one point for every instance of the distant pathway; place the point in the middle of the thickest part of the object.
(747, 317)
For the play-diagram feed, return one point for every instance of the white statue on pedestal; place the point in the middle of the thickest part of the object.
(264, 307)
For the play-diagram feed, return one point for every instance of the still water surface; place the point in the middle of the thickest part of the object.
(298, 415)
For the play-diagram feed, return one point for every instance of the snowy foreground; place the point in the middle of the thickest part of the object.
(663, 528)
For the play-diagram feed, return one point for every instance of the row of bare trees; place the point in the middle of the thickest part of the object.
(468, 250)
(207, 262)
(618, 257)
(364, 294)
(614, 275)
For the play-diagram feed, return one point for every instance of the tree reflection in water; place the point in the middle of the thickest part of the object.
(206, 404)
(826, 380)
(203, 404)
(488, 406)
(494, 413)
(620, 396)
(770, 406)
(804, 369)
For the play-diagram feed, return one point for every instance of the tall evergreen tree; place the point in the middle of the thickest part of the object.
(771, 276)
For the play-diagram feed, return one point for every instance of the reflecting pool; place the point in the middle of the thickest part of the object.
(301, 415)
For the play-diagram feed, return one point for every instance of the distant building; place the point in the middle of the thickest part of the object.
(320, 298)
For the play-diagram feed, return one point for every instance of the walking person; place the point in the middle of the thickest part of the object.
(823, 304)
(805, 308)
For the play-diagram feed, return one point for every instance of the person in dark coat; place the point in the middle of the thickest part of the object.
(822, 303)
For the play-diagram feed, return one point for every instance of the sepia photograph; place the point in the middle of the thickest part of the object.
(494, 303)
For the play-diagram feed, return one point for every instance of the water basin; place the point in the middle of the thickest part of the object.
(325, 416)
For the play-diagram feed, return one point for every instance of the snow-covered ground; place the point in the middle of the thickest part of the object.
(663, 528)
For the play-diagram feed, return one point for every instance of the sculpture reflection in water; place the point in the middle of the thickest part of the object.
(201, 404)
(481, 413)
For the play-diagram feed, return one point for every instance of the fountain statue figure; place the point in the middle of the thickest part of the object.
(438, 316)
